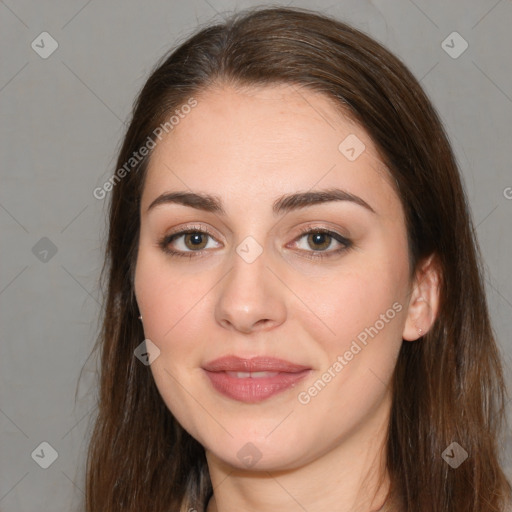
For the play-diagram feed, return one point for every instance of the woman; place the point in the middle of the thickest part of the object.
(289, 235)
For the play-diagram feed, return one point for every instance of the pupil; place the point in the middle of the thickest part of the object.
(320, 239)
(195, 240)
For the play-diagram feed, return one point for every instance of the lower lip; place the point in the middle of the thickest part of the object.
(252, 390)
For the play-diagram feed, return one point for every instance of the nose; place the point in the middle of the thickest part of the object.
(251, 298)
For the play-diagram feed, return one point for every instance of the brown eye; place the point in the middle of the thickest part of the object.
(319, 241)
(195, 240)
(188, 243)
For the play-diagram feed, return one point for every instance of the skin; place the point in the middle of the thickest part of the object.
(249, 147)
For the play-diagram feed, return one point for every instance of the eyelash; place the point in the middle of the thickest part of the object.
(164, 242)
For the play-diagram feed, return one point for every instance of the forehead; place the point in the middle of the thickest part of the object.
(259, 143)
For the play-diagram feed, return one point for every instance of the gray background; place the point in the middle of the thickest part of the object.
(62, 122)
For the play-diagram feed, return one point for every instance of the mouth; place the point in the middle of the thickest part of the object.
(253, 380)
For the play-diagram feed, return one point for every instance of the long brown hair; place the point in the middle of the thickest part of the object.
(447, 387)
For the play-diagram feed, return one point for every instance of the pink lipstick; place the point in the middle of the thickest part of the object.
(253, 380)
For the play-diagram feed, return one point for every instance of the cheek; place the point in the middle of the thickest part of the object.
(363, 318)
(172, 309)
(167, 298)
(344, 304)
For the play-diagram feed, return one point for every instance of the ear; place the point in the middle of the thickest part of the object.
(424, 300)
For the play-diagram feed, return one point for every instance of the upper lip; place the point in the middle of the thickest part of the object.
(254, 364)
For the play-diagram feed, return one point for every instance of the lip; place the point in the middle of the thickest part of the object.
(282, 375)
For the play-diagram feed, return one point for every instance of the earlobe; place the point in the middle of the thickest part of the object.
(423, 304)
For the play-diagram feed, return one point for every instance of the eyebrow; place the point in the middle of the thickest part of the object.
(286, 203)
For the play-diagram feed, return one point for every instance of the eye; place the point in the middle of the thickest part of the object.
(187, 242)
(317, 241)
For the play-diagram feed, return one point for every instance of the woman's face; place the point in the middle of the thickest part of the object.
(323, 313)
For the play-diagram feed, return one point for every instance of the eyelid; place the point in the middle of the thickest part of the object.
(192, 228)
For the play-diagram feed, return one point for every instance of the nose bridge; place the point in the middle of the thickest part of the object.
(249, 298)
